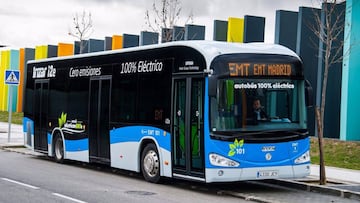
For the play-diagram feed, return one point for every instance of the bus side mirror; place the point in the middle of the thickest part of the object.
(308, 94)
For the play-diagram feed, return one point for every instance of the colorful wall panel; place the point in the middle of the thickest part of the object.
(117, 42)
(220, 30)
(65, 49)
(254, 29)
(13, 65)
(95, 45)
(350, 97)
(286, 28)
(5, 60)
(309, 55)
(179, 33)
(235, 31)
(130, 40)
(41, 52)
(194, 32)
(108, 43)
(166, 35)
(147, 38)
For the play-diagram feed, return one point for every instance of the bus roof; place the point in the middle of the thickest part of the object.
(210, 49)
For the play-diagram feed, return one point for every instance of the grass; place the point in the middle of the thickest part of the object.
(337, 153)
(16, 118)
(342, 154)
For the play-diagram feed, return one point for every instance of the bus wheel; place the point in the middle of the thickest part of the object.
(59, 149)
(150, 164)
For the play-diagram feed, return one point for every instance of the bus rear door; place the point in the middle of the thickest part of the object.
(41, 99)
(99, 112)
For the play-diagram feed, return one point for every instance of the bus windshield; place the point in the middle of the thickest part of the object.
(258, 105)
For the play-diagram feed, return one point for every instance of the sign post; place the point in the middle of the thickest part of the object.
(12, 77)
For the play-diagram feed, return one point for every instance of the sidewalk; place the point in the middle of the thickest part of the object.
(341, 182)
(16, 135)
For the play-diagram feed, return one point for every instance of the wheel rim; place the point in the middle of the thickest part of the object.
(59, 152)
(151, 163)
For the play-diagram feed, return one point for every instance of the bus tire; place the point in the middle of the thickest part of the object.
(59, 149)
(150, 163)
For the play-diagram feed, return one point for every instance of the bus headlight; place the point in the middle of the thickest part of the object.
(218, 160)
(303, 158)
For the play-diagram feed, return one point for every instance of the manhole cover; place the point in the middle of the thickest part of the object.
(140, 193)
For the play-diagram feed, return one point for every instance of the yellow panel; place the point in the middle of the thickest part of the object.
(21, 83)
(235, 30)
(2, 77)
(117, 42)
(41, 52)
(65, 49)
(5, 60)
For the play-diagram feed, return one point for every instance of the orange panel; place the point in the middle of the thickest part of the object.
(21, 83)
(65, 49)
(117, 42)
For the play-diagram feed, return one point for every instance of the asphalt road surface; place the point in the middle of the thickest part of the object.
(28, 178)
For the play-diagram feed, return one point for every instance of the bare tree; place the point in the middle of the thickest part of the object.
(329, 28)
(83, 28)
(164, 16)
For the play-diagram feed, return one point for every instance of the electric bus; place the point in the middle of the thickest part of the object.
(178, 110)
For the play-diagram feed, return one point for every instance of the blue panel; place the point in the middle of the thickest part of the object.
(309, 54)
(130, 40)
(350, 98)
(95, 45)
(254, 28)
(136, 133)
(108, 43)
(286, 28)
(77, 145)
(147, 38)
(178, 33)
(194, 32)
(166, 35)
(52, 51)
(220, 30)
(76, 47)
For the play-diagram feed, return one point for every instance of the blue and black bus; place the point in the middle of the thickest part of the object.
(179, 110)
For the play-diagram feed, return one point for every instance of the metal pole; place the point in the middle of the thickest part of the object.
(10, 111)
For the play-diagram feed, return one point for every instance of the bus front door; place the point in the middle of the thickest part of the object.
(99, 112)
(41, 99)
(187, 130)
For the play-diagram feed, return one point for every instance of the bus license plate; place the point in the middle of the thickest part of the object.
(263, 174)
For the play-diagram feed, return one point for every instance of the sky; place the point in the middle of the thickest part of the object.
(25, 23)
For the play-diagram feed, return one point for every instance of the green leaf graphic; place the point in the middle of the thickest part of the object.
(62, 119)
(236, 145)
(241, 143)
(231, 153)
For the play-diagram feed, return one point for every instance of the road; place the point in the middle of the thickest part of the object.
(28, 178)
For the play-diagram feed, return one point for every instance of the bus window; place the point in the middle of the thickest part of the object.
(233, 107)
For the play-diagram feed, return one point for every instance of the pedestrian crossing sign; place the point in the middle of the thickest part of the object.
(12, 77)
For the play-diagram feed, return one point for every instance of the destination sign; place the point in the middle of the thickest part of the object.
(260, 69)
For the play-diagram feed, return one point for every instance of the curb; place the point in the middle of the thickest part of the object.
(317, 188)
(19, 149)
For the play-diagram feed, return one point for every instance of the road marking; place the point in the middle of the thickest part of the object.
(20, 183)
(68, 198)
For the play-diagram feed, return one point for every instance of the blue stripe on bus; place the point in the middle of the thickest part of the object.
(136, 133)
(25, 121)
(77, 145)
